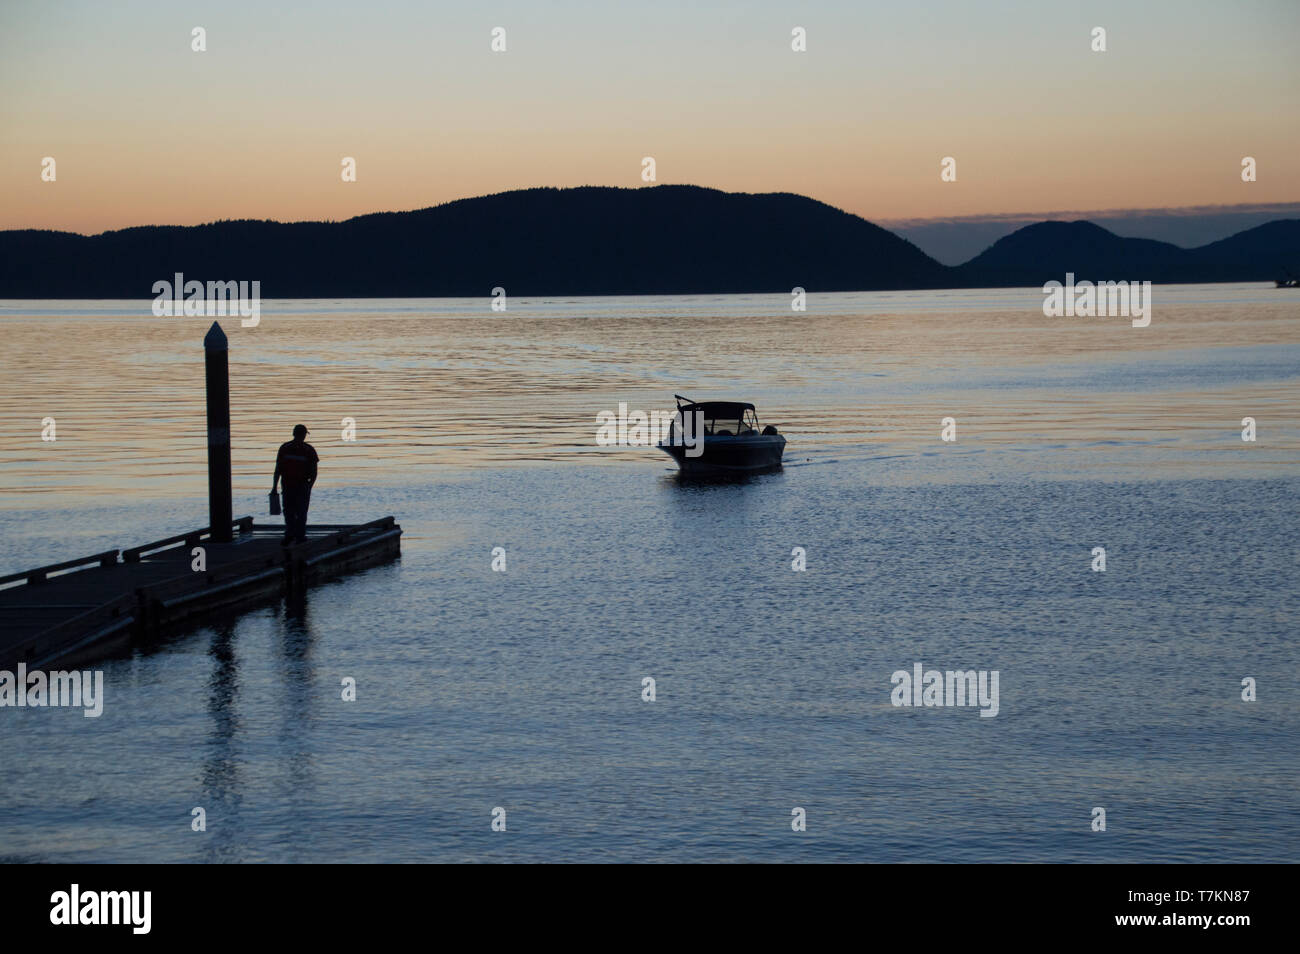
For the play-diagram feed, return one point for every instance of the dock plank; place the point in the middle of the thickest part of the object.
(48, 617)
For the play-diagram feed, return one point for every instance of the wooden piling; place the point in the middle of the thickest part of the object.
(216, 364)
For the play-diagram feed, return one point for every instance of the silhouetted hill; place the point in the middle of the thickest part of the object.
(1267, 251)
(585, 241)
(604, 241)
(1047, 250)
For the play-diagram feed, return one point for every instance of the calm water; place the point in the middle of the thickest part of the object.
(522, 689)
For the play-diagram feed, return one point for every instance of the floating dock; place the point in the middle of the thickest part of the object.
(84, 609)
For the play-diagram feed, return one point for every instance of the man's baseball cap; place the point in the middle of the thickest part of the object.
(300, 431)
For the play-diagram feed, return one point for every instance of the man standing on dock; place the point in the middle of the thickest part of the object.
(295, 465)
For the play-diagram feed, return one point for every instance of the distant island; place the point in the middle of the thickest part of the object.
(667, 239)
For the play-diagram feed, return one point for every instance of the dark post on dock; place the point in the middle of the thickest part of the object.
(116, 600)
(217, 367)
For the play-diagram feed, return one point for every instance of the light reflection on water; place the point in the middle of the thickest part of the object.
(462, 387)
(522, 689)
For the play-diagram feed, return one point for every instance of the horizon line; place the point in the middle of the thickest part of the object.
(1281, 208)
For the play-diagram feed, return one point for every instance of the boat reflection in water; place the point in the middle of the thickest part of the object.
(721, 439)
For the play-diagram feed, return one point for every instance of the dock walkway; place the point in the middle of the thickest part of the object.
(85, 608)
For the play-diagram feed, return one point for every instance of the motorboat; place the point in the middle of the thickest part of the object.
(721, 439)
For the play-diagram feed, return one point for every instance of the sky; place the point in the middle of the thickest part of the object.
(145, 130)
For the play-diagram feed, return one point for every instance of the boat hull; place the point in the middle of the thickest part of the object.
(730, 456)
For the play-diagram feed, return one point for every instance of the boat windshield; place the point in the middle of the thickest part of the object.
(731, 424)
(721, 419)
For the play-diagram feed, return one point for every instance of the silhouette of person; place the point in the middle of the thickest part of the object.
(295, 466)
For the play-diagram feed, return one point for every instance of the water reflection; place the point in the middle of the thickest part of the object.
(220, 788)
(689, 482)
(297, 642)
(227, 777)
(514, 392)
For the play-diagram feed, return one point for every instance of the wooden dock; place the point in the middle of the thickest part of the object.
(87, 608)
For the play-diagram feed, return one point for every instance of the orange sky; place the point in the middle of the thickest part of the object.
(145, 130)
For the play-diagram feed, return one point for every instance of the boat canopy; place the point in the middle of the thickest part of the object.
(714, 410)
(721, 418)
(718, 410)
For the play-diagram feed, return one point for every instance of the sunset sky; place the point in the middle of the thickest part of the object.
(145, 130)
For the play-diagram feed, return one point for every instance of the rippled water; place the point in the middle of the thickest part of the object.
(523, 689)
